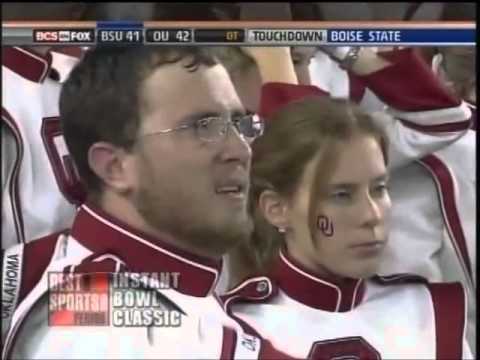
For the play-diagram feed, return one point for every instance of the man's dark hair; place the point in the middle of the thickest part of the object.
(101, 100)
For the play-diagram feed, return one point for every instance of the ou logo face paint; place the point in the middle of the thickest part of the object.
(325, 225)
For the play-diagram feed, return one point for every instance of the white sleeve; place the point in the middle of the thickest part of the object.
(407, 144)
(327, 75)
(424, 117)
(466, 354)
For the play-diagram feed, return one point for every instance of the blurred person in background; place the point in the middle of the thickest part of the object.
(40, 188)
(247, 78)
(456, 66)
(38, 182)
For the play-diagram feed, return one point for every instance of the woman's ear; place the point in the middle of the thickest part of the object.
(274, 208)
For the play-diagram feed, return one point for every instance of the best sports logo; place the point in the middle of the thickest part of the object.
(78, 299)
(121, 299)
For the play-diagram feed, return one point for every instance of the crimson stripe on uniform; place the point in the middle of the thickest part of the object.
(448, 127)
(445, 186)
(449, 308)
(14, 182)
(357, 88)
(267, 351)
(229, 342)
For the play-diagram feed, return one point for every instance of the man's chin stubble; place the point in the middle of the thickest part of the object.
(210, 238)
(218, 239)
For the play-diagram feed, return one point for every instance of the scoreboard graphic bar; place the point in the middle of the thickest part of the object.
(287, 37)
(168, 36)
(119, 36)
(119, 32)
(290, 34)
(220, 36)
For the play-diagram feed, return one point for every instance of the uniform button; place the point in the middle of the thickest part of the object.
(262, 286)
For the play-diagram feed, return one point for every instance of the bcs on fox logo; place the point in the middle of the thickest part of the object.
(46, 36)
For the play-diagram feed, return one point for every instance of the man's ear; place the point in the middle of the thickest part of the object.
(274, 208)
(110, 163)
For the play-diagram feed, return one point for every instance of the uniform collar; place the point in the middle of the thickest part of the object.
(101, 233)
(36, 67)
(310, 289)
(30, 65)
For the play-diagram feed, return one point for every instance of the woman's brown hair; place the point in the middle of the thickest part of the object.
(311, 128)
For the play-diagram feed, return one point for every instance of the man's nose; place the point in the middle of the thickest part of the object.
(236, 148)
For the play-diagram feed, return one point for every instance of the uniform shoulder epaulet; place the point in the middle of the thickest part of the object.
(399, 279)
(255, 289)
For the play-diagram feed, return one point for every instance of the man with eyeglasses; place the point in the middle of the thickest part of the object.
(159, 138)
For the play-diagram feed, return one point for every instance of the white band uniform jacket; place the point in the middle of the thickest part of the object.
(99, 244)
(395, 317)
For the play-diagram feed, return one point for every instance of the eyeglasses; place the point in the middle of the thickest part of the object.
(215, 128)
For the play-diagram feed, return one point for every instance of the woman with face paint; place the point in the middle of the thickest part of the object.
(320, 204)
